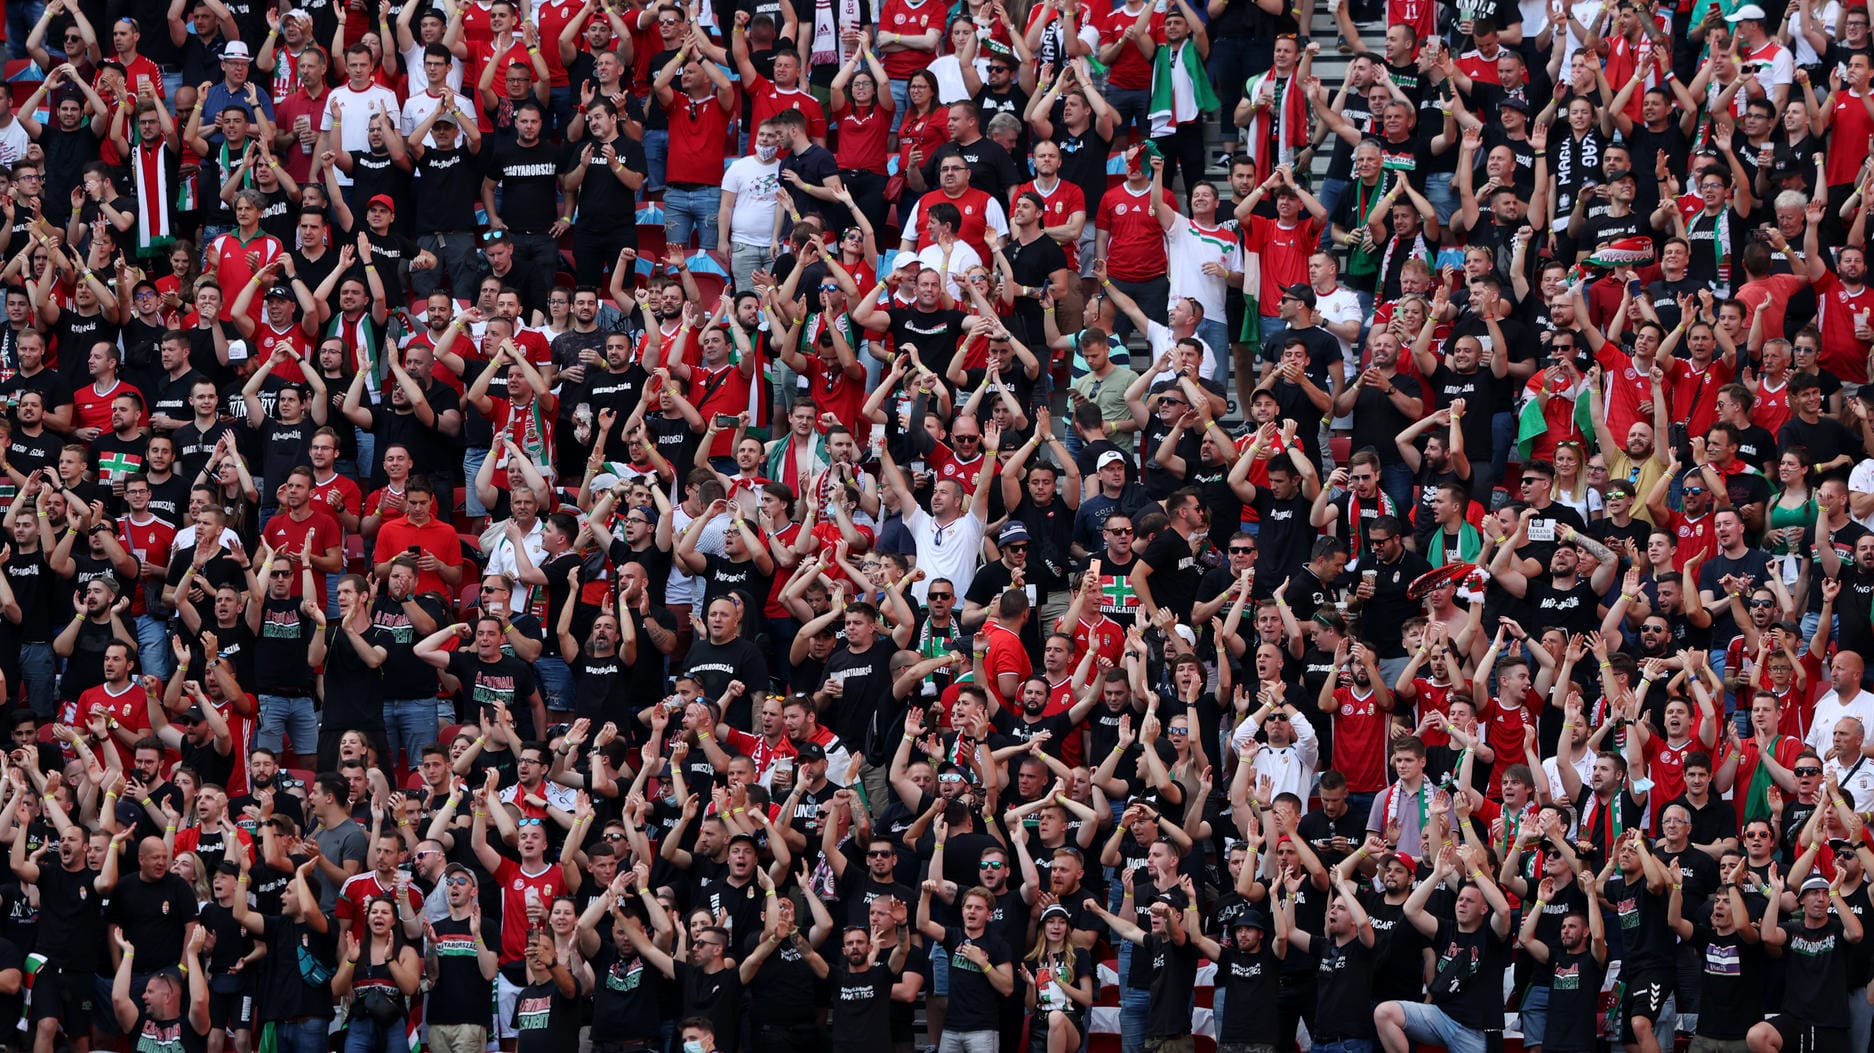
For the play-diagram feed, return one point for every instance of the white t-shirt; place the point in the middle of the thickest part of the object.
(418, 107)
(354, 110)
(950, 552)
(1861, 481)
(962, 258)
(413, 60)
(1189, 249)
(1336, 307)
(1825, 20)
(1161, 340)
(754, 185)
(1828, 710)
(14, 142)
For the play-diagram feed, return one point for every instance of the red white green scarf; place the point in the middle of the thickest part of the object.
(155, 228)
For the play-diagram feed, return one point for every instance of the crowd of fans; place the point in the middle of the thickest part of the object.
(813, 525)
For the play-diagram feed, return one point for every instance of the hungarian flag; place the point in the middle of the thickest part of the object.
(1533, 421)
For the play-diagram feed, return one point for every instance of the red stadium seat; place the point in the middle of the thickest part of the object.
(354, 554)
(1342, 447)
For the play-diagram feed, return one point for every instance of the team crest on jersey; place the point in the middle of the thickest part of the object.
(1119, 209)
(519, 884)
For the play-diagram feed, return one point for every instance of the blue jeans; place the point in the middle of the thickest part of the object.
(1345, 1045)
(36, 669)
(560, 103)
(691, 211)
(556, 685)
(1438, 191)
(1216, 335)
(22, 15)
(1230, 67)
(1133, 105)
(365, 1035)
(1395, 480)
(656, 155)
(283, 717)
(300, 1036)
(900, 101)
(1332, 190)
(472, 459)
(1502, 440)
(1134, 1002)
(1534, 1018)
(939, 971)
(410, 724)
(1429, 1024)
(153, 646)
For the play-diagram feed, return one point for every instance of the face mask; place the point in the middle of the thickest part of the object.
(694, 1045)
(766, 153)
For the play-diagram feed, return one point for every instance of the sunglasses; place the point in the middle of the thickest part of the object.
(1693, 490)
(459, 881)
(1015, 546)
(989, 864)
(614, 837)
(1242, 551)
(1808, 772)
(880, 854)
(1120, 531)
(942, 596)
(950, 777)
(527, 822)
(1177, 732)
(1753, 835)
(1763, 603)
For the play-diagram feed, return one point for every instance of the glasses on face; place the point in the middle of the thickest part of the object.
(1763, 603)
(1755, 835)
(1693, 491)
(989, 864)
(614, 836)
(941, 596)
(459, 881)
(949, 776)
(279, 574)
(967, 438)
(1177, 732)
(1807, 772)
(1235, 551)
(1119, 531)
(1021, 546)
(880, 853)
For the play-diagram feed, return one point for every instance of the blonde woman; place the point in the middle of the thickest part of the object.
(1061, 985)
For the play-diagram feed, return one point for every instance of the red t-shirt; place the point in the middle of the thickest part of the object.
(1627, 389)
(1285, 252)
(287, 534)
(1103, 636)
(1421, 15)
(349, 497)
(862, 139)
(360, 888)
(1434, 698)
(1056, 207)
(266, 338)
(836, 393)
(1849, 127)
(1836, 310)
(1693, 536)
(1135, 248)
(1360, 740)
(434, 537)
(1503, 730)
(1006, 655)
(147, 541)
(1771, 410)
(128, 707)
(1130, 69)
(947, 465)
(697, 131)
(552, 16)
(232, 269)
(905, 18)
(769, 99)
(548, 883)
(1665, 765)
(92, 408)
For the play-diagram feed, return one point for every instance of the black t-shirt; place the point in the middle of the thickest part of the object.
(154, 916)
(71, 915)
(1174, 975)
(1175, 571)
(861, 1010)
(1343, 985)
(509, 681)
(716, 995)
(546, 1020)
(529, 181)
(1646, 941)
(1479, 1001)
(974, 1004)
(1816, 963)
(1249, 977)
(992, 170)
(715, 664)
(354, 691)
(865, 695)
(1574, 999)
(280, 649)
(935, 334)
(460, 995)
(446, 189)
(629, 999)
(1033, 263)
(1731, 988)
(604, 199)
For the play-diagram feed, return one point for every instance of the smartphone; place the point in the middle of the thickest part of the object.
(413, 551)
(1678, 434)
(725, 420)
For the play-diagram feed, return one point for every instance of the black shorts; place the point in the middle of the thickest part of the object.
(231, 1010)
(1799, 1037)
(65, 996)
(1646, 995)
